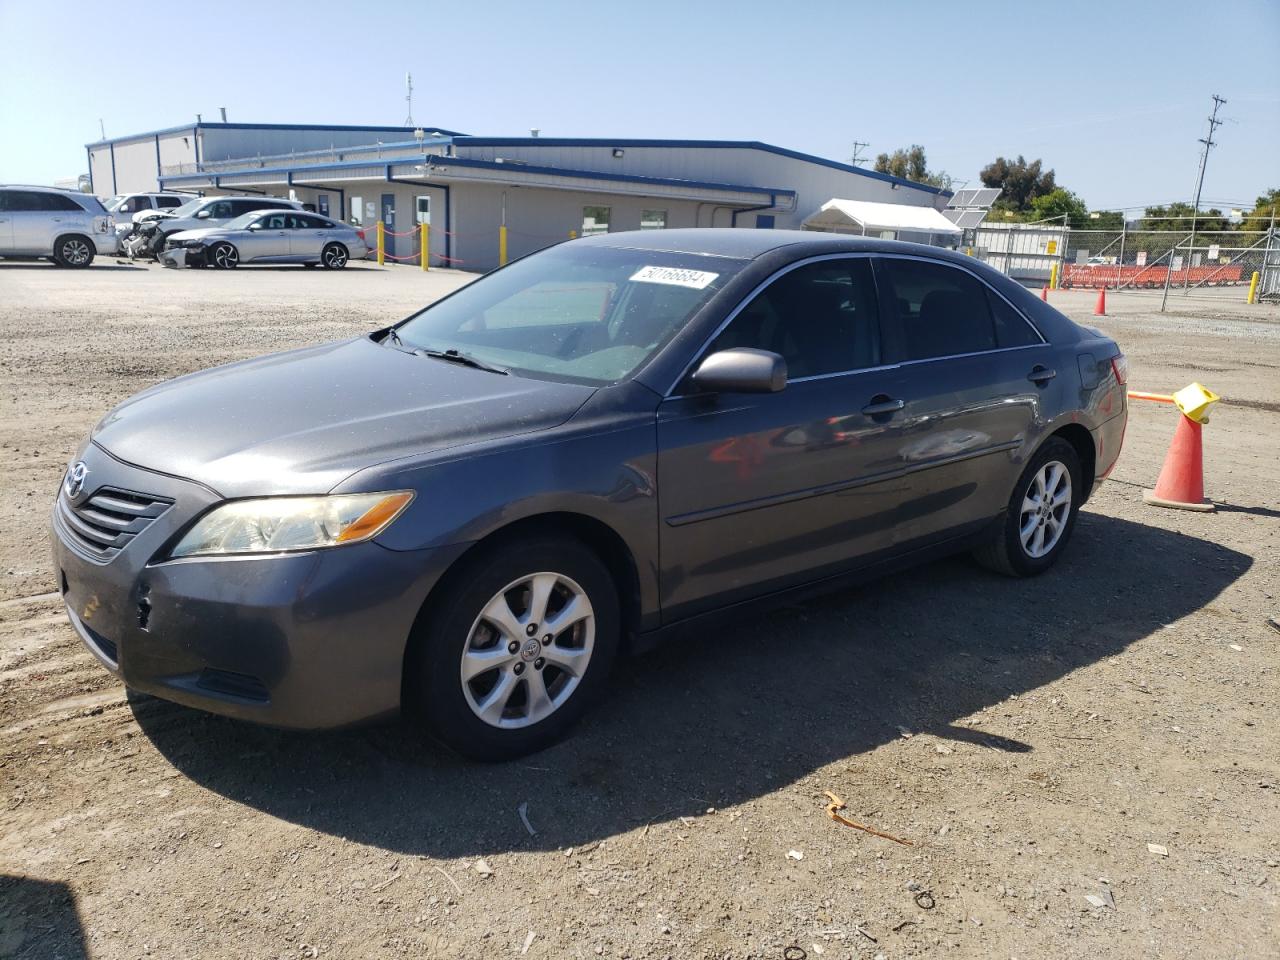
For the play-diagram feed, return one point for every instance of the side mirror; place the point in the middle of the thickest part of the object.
(203, 214)
(255, 226)
(741, 370)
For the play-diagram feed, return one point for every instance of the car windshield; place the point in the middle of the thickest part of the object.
(578, 313)
(113, 204)
(242, 221)
(188, 208)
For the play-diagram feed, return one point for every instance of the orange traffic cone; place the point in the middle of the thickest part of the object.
(1100, 309)
(1044, 292)
(1181, 482)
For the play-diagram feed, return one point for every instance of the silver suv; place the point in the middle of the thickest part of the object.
(203, 212)
(67, 227)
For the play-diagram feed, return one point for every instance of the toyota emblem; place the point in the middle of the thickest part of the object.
(74, 482)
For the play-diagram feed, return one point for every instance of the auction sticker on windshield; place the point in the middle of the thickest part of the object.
(675, 276)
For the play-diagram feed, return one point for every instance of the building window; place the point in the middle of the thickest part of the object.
(764, 221)
(653, 219)
(595, 220)
(423, 210)
(357, 210)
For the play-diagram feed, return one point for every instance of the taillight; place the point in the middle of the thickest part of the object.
(1120, 367)
(360, 234)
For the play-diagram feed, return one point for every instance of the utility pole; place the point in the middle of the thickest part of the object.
(857, 152)
(102, 128)
(1208, 142)
(408, 98)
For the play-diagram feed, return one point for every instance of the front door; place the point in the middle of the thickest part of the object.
(765, 491)
(973, 382)
(6, 223)
(267, 240)
(389, 221)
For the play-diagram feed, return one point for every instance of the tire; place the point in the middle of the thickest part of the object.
(1034, 531)
(73, 250)
(223, 256)
(334, 256)
(494, 712)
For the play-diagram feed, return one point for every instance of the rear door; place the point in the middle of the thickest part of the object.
(764, 491)
(974, 373)
(307, 236)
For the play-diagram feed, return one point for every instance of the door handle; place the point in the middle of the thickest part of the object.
(881, 405)
(1041, 375)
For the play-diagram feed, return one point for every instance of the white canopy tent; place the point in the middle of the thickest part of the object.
(885, 220)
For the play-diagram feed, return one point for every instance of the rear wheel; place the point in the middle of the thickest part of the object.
(73, 251)
(224, 256)
(509, 660)
(334, 256)
(1041, 513)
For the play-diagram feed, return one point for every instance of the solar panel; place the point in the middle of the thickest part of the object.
(982, 197)
(969, 219)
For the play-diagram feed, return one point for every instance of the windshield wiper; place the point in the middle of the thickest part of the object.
(453, 356)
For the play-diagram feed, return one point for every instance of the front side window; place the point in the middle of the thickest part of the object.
(574, 313)
(595, 220)
(221, 210)
(653, 219)
(275, 221)
(942, 311)
(821, 318)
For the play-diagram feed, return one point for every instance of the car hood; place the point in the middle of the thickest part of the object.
(302, 421)
(144, 215)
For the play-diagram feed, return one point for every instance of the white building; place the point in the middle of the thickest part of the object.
(542, 189)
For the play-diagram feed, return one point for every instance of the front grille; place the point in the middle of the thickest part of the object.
(104, 524)
(233, 684)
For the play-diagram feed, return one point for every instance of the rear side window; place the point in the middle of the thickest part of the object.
(34, 200)
(942, 311)
(302, 222)
(164, 203)
(821, 318)
(1012, 329)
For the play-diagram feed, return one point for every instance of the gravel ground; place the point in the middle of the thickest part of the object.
(1085, 765)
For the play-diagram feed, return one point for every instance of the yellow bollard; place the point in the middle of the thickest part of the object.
(1053, 276)
(382, 245)
(424, 247)
(573, 234)
(1253, 289)
(502, 245)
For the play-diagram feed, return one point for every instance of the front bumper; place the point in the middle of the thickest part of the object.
(182, 257)
(106, 243)
(302, 640)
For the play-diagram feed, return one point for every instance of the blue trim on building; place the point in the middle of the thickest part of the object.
(344, 128)
(88, 155)
(465, 141)
(157, 159)
(114, 191)
(494, 165)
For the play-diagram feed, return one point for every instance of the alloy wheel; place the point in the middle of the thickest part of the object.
(75, 252)
(225, 256)
(528, 650)
(1046, 506)
(335, 257)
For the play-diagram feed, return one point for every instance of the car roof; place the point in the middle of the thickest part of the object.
(36, 186)
(750, 243)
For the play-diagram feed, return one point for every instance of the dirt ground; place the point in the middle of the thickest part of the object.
(1108, 730)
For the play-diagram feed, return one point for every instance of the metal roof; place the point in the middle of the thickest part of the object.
(868, 215)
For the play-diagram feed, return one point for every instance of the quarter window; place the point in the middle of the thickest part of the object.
(595, 220)
(821, 318)
(942, 311)
(1012, 329)
(164, 203)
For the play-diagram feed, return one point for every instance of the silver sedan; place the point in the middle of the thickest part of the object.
(267, 236)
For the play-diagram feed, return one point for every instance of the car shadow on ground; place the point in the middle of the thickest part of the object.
(44, 265)
(725, 719)
(38, 918)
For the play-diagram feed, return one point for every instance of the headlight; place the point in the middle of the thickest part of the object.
(292, 523)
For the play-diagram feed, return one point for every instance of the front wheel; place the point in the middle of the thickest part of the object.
(1041, 513)
(224, 256)
(334, 256)
(510, 659)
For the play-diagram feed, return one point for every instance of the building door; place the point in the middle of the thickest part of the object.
(322, 204)
(389, 221)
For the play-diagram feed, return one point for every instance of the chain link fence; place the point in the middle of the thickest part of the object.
(1218, 264)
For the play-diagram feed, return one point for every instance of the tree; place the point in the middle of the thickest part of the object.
(1020, 182)
(1058, 203)
(911, 164)
(1177, 216)
(1264, 211)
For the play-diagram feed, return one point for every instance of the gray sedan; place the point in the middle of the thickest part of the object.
(267, 236)
(471, 513)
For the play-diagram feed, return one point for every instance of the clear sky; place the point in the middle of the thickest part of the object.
(1109, 94)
